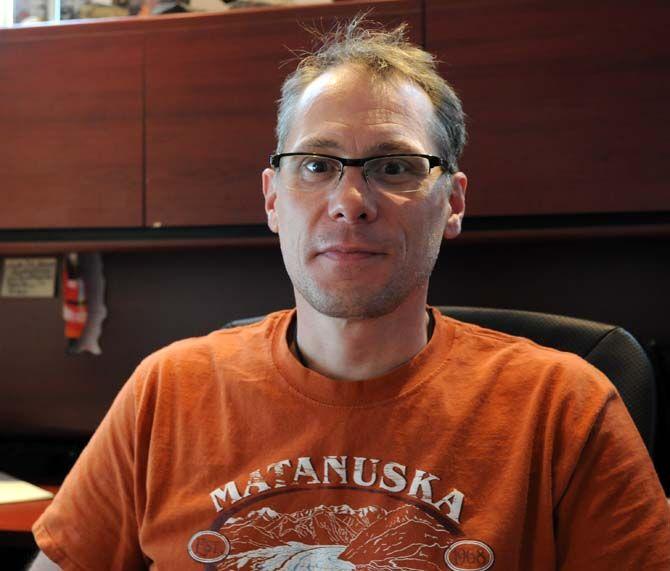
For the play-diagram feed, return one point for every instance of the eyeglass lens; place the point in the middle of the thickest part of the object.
(309, 173)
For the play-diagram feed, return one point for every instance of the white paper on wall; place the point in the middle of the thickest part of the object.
(28, 277)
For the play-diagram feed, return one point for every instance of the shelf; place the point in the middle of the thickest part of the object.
(476, 230)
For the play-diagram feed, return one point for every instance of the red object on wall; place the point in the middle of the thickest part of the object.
(75, 311)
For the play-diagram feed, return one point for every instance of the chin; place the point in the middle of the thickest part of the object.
(353, 305)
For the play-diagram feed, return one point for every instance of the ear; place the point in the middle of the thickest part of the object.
(270, 195)
(459, 182)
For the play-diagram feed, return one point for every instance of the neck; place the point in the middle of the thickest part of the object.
(358, 349)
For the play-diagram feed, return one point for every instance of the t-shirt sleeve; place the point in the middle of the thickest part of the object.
(92, 520)
(613, 513)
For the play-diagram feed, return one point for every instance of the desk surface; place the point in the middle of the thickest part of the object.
(21, 516)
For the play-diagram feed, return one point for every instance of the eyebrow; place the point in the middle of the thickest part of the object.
(318, 144)
(395, 147)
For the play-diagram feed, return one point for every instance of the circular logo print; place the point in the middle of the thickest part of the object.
(469, 555)
(208, 547)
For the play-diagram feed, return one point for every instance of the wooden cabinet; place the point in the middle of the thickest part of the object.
(566, 101)
(211, 92)
(144, 122)
(168, 121)
(70, 129)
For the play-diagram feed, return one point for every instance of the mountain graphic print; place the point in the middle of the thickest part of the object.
(335, 537)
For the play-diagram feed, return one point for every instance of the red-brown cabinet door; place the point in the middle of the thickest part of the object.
(567, 102)
(211, 91)
(70, 128)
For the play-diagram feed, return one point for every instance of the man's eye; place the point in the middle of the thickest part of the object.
(316, 166)
(394, 167)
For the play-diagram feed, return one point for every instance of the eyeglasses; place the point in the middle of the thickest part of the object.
(303, 172)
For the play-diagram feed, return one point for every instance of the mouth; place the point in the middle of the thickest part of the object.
(342, 253)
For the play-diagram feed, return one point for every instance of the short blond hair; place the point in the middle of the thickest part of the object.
(388, 55)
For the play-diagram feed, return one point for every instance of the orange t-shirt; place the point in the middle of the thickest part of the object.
(483, 451)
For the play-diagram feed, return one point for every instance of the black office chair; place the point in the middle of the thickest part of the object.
(609, 348)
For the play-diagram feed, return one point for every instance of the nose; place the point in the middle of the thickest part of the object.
(352, 201)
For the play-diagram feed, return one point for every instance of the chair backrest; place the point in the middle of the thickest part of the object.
(609, 348)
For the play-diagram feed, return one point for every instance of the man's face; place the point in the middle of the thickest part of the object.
(352, 251)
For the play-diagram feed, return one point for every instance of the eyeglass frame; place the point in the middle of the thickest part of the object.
(433, 161)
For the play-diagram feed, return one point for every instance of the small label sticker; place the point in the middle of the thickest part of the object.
(28, 277)
(469, 555)
(208, 547)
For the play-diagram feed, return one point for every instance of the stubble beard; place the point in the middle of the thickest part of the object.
(353, 302)
(350, 303)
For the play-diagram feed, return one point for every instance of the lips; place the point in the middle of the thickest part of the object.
(348, 256)
(344, 253)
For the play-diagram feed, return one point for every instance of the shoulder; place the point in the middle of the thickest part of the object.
(239, 352)
(520, 363)
(555, 396)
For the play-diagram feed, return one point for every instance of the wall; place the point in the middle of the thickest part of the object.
(157, 297)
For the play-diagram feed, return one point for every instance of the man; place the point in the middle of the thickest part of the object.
(362, 430)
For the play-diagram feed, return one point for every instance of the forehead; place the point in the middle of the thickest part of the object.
(345, 110)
